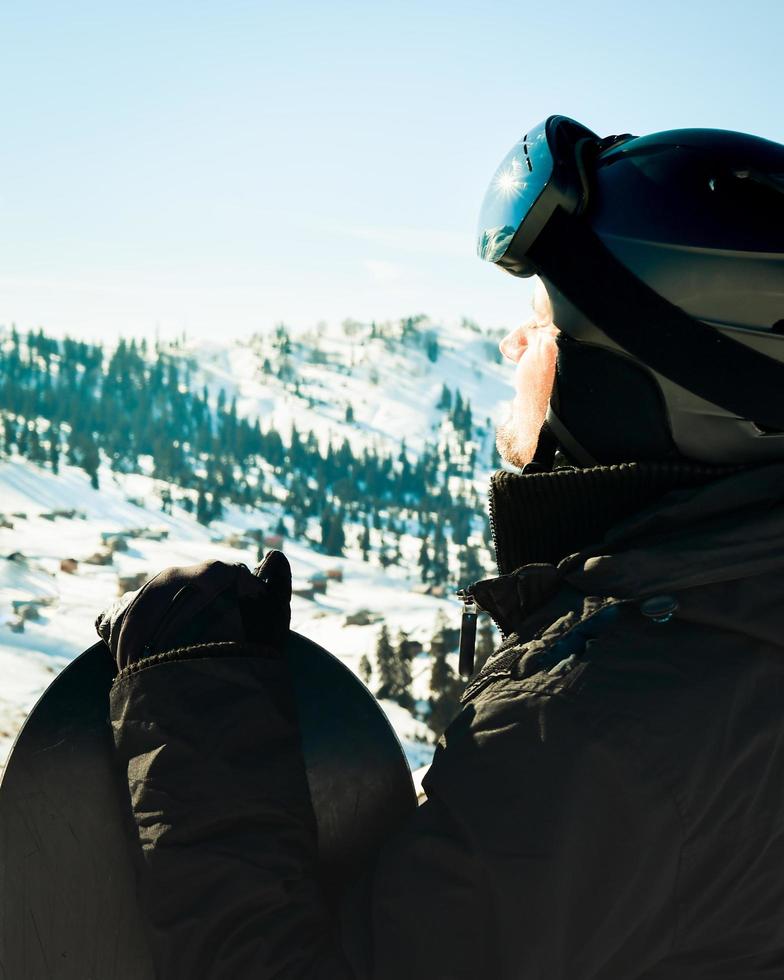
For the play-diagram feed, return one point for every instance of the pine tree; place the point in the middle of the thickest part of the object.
(333, 536)
(456, 416)
(336, 540)
(439, 563)
(445, 401)
(403, 678)
(461, 526)
(300, 525)
(215, 506)
(485, 642)
(471, 568)
(9, 435)
(35, 452)
(22, 440)
(90, 459)
(54, 448)
(365, 670)
(468, 420)
(364, 542)
(394, 668)
(445, 686)
(385, 664)
(424, 560)
(384, 554)
(202, 507)
(325, 524)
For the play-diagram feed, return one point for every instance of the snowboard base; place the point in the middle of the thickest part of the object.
(68, 906)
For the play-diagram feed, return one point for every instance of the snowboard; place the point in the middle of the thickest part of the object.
(68, 907)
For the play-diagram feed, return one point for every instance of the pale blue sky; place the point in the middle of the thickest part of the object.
(219, 166)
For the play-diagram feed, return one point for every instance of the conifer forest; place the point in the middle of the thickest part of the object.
(142, 407)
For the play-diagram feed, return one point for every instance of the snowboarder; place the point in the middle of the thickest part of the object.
(609, 803)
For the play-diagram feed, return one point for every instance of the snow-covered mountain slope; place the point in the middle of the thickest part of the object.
(391, 380)
(375, 385)
(36, 546)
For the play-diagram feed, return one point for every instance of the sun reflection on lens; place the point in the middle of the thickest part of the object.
(509, 182)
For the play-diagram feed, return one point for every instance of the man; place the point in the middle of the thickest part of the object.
(609, 803)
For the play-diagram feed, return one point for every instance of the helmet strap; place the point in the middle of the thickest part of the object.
(567, 442)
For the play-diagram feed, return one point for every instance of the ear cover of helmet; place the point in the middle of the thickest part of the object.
(609, 404)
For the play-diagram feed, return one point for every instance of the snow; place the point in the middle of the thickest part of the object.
(393, 388)
(70, 602)
(25, 675)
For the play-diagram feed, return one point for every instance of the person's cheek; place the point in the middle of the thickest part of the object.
(535, 372)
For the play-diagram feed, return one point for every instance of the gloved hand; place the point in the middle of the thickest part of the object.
(199, 604)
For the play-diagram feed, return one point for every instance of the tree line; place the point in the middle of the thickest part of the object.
(139, 407)
(395, 661)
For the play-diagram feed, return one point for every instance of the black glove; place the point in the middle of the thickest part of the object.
(198, 604)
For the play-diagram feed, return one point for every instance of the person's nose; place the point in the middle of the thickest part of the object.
(513, 344)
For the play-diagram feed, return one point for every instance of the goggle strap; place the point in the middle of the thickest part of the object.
(687, 351)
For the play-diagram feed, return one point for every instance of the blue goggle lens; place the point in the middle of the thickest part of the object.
(513, 191)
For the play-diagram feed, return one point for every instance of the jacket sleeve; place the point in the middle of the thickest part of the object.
(209, 746)
(529, 858)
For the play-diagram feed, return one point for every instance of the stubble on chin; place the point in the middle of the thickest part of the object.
(514, 446)
(518, 436)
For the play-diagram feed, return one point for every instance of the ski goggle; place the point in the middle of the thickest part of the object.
(544, 170)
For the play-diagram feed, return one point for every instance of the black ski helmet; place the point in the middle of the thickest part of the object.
(663, 257)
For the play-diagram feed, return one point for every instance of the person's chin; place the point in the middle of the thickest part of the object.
(518, 436)
(513, 446)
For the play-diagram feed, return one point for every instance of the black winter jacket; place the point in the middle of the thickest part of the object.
(609, 804)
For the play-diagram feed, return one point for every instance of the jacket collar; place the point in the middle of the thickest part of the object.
(655, 528)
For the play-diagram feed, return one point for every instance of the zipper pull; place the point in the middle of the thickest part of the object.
(467, 634)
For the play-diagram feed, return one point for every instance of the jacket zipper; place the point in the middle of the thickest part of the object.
(493, 530)
(467, 633)
(468, 622)
(469, 615)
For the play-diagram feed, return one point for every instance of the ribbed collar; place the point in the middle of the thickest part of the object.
(540, 519)
(543, 517)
